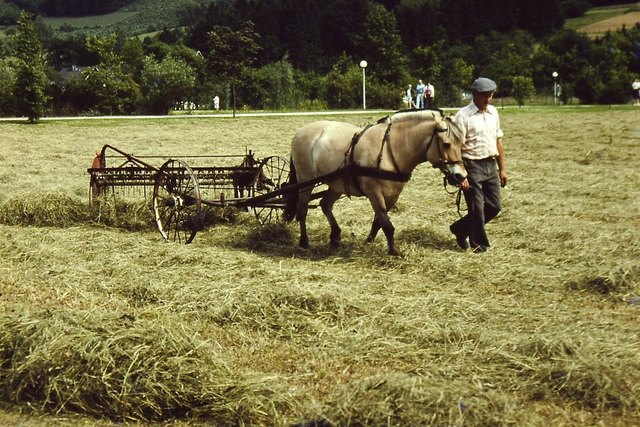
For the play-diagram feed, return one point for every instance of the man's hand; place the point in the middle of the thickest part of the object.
(464, 185)
(503, 178)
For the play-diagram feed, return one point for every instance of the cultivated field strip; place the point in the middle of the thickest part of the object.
(104, 319)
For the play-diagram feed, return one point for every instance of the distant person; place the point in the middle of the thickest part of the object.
(420, 94)
(484, 160)
(408, 98)
(216, 102)
(429, 95)
(636, 92)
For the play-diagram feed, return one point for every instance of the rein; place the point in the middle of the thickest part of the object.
(440, 165)
(458, 201)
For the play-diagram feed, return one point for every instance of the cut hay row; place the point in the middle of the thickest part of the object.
(60, 210)
(105, 320)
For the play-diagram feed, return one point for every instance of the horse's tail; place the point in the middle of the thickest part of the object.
(291, 199)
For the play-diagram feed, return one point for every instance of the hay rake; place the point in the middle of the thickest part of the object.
(179, 191)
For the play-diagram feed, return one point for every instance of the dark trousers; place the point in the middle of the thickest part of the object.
(483, 201)
(428, 102)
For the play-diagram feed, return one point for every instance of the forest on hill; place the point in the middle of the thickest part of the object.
(303, 54)
(70, 7)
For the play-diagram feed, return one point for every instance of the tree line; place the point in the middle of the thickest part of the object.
(305, 54)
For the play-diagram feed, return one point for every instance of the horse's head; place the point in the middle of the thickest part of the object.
(446, 154)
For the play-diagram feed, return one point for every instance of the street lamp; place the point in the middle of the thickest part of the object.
(555, 87)
(364, 64)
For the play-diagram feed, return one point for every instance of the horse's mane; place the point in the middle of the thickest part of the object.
(417, 115)
(412, 115)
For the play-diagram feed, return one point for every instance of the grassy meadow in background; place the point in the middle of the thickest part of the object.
(612, 18)
(104, 322)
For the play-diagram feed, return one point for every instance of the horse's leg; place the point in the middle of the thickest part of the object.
(326, 203)
(375, 227)
(383, 221)
(301, 214)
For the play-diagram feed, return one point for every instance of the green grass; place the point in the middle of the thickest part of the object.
(110, 324)
(597, 14)
(89, 22)
(141, 17)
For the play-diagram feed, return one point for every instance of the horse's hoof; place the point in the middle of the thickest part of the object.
(335, 244)
(394, 252)
(304, 244)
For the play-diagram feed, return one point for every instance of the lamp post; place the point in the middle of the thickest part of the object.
(363, 65)
(555, 87)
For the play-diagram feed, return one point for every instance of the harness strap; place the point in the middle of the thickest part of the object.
(382, 174)
(356, 138)
(349, 178)
(386, 140)
(351, 170)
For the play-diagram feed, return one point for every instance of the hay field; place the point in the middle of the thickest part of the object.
(627, 20)
(106, 324)
(606, 18)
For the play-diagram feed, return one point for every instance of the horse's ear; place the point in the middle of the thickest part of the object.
(384, 120)
(454, 129)
(441, 125)
(451, 121)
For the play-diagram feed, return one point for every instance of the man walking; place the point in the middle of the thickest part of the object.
(484, 159)
(420, 94)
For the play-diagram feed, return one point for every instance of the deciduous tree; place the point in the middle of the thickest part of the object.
(111, 89)
(522, 89)
(166, 83)
(381, 46)
(31, 79)
(232, 53)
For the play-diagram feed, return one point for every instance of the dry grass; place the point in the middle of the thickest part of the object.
(598, 20)
(628, 20)
(242, 327)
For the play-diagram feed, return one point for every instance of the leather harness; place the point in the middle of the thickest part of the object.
(352, 170)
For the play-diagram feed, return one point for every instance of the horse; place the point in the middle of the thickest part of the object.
(376, 162)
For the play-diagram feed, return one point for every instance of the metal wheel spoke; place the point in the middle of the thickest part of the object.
(272, 174)
(176, 202)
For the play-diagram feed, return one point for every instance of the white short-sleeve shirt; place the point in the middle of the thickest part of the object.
(481, 131)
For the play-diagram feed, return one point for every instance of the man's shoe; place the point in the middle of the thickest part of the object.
(461, 240)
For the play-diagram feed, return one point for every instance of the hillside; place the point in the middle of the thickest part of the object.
(141, 17)
(147, 16)
(599, 20)
(617, 22)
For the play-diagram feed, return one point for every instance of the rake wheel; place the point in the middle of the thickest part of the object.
(272, 175)
(176, 202)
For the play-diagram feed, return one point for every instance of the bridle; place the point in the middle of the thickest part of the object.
(441, 163)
